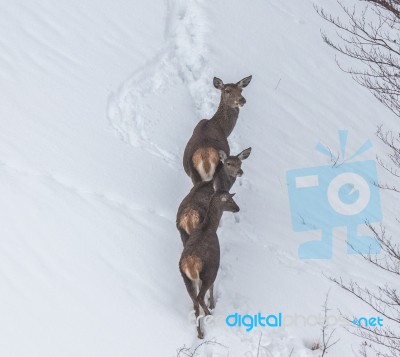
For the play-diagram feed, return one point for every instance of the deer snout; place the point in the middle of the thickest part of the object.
(236, 208)
(239, 173)
(242, 101)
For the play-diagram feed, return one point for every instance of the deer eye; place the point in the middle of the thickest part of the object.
(228, 164)
(227, 91)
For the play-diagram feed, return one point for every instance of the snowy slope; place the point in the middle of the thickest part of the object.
(99, 99)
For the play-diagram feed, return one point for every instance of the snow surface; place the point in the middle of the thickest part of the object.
(98, 101)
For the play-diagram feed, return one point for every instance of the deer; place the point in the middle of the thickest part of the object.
(199, 262)
(200, 158)
(193, 207)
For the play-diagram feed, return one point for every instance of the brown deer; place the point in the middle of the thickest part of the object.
(201, 158)
(193, 207)
(200, 258)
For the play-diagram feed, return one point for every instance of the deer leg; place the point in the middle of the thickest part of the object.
(191, 289)
(211, 300)
(200, 297)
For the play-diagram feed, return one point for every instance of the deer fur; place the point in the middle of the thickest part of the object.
(201, 155)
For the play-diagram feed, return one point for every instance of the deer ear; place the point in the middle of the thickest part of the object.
(218, 83)
(244, 154)
(244, 82)
(222, 155)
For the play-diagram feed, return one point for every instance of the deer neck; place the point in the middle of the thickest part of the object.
(226, 117)
(225, 181)
(212, 218)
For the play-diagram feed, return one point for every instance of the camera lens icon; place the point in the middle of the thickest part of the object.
(349, 193)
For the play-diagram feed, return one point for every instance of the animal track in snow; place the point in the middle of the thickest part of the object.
(132, 109)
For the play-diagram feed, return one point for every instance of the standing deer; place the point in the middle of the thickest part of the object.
(200, 258)
(193, 207)
(201, 157)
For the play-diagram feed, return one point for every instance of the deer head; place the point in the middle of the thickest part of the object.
(231, 94)
(225, 201)
(233, 164)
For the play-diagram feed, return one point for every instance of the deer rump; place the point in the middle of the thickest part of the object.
(201, 156)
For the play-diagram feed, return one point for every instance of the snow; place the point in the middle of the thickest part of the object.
(99, 100)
